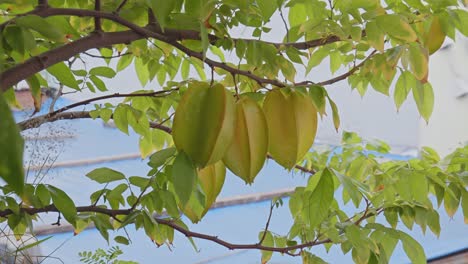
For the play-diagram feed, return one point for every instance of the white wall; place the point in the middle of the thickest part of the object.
(448, 126)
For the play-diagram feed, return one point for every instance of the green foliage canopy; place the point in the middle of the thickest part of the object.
(189, 47)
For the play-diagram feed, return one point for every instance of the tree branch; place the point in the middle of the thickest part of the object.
(40, 120)
(347, 74)
(160, 93)
(182, 230)
(172, 224)
(121, 5)
(42, 4)
(265, 230)
(38, 63)
(60, 114)
(171, 33)
(107, 57)
(97, 19)
(33, 65)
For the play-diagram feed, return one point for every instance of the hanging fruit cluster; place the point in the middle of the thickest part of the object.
(209, 127)
(215, 131)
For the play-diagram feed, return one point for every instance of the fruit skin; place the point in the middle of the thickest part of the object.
(292, 125)
(435, 37)
(247, 152)
(211, 180)
(204, 123)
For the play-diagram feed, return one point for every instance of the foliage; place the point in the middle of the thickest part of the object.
(190, 123)
(103, 257)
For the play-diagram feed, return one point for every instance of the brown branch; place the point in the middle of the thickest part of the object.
(38, 63)
(265, 230)
(347, 74)
(224, 66)
(97, 19)
(172, 224)
(40, 120)
(231, 246)
(121, 5)
(115, 95)
(171, 33)
(61, 114)
(33, 65)
(107, 57)
(42, 4)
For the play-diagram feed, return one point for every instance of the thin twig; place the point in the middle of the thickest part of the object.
(347, 74)
(115, 95)
(121, 5)
(40, 120)
(137, 201)
(265, 230)
(284, 23)
(107, 57)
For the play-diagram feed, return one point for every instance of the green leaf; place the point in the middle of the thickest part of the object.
(335, 61)
(316, 58)
(452, 199)
(396, 27)
(36, 93)
(11, 149)
(121, 240)
(403, 86)
(142, 71)
(433, 222)
(350, 187)
(105, 114)
(462, 24)
(64, 75)
(43, 194)
(320, 200)
(170, 204)
(204, 38)
(63, 203)
(413, 249)
(267, 8)
(99, 83)
(185, 69)
(375, 36)
(20, 39)
(424, 98)
(184, 177)
(419, 186)
(161, 9)
(318, 95)
(269, 242)
(120, 118)
(124, 62)
(41, 25)
(464, 204)
(297, 14)
(103, 71)
(105, 175)
(335, 114)
(308, 258)
(418, 57)
(159, 158)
